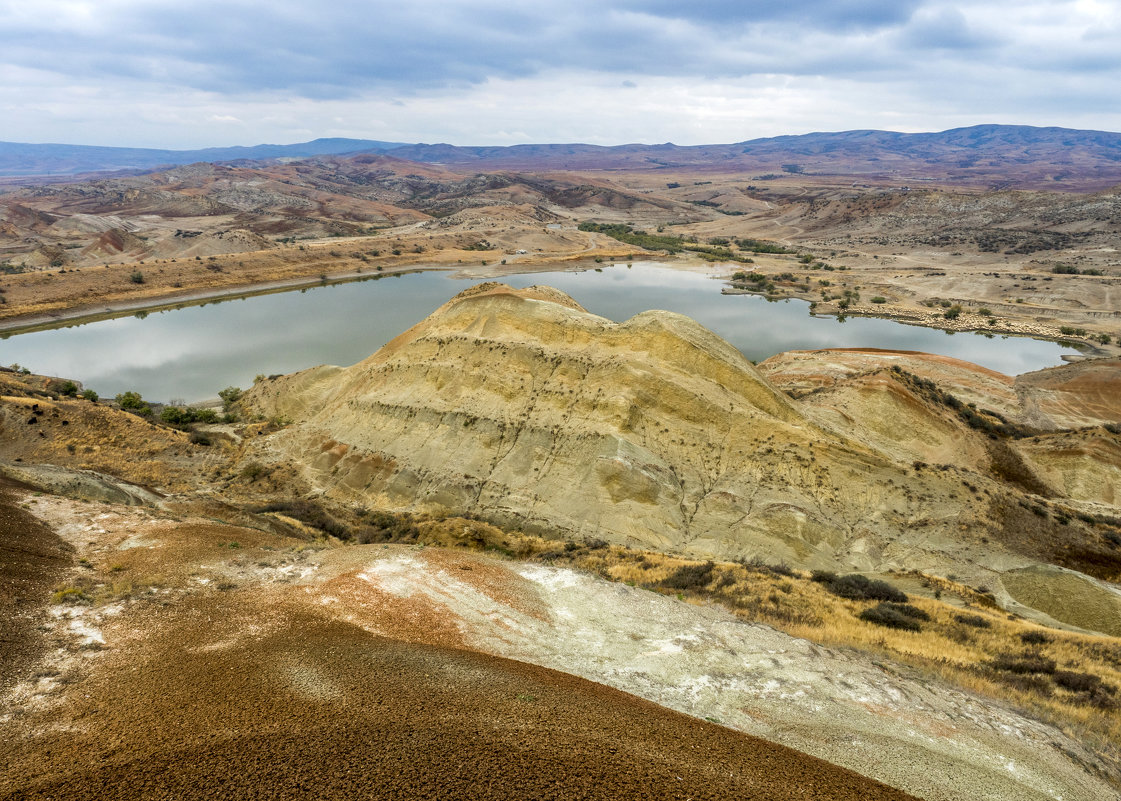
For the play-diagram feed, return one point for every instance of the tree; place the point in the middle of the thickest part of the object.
(229, 396)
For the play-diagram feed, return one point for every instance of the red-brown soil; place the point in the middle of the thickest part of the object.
(32, 557)
(223, 697)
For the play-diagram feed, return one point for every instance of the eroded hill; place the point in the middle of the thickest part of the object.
(520, 407)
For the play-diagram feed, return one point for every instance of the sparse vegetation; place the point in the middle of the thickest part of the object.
(229, 397)
(858, 587)
(895, 616)
(132, 402)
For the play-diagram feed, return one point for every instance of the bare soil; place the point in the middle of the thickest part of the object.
(32, 558)
(316, 708)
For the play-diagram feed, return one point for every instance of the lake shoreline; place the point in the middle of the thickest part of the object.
(92, 312)
(1012, 322)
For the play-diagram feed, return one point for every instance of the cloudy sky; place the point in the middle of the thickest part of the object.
(171, 73)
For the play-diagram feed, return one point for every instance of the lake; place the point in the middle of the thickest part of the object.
(192, 352)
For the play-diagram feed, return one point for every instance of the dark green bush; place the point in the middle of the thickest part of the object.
(132, 402)
(387, 527)
(689, 577)
(893, 616)
(312, 514)
(229, 396)
(861, 588)
(1076, 682)
(976, 621)
(1026, 663)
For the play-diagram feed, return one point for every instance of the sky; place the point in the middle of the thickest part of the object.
(175, 74)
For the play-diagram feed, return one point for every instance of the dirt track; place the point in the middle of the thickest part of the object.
(311, 708)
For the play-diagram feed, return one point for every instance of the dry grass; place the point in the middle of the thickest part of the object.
(989, 653)
(98, 590)
(79, 434)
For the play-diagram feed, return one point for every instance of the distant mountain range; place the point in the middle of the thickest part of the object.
(992, 156)
(40, 160)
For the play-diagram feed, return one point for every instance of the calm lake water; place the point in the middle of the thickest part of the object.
(191, 353)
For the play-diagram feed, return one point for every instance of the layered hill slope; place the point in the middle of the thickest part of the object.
(519, 406)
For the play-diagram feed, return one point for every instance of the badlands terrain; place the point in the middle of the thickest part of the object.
(525, 551)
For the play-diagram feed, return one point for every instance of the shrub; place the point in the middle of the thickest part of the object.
(1034, 638)
(90, 395)
(953, 312)
(70, 389)
(909, 610)
(879, 299)
(1076, 682)
(229, 396)
(179, 416)
(388, 527)
(976, 621)
(893, 616)
(199, 438)
(759, 565)
(71, 596)
(174, 416)
(310, 513)
(861, 588)
(823, 576)
(137, 277)
(1027, 663)
(132, 402)
(688, 577)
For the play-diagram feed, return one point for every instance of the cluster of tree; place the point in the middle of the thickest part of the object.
(672, 244)
(1070, 269)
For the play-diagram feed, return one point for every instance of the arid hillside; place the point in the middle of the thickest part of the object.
(521, 408)
(516, 479)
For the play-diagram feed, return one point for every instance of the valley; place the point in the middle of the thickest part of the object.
(781, 469)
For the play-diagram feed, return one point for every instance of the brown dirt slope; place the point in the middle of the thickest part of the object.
(32, 558)
(313, 708)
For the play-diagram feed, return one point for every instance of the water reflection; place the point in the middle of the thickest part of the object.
(194, 351)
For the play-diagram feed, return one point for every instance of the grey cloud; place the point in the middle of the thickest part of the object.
(945, 29)
(961, 59)
(240, 45)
